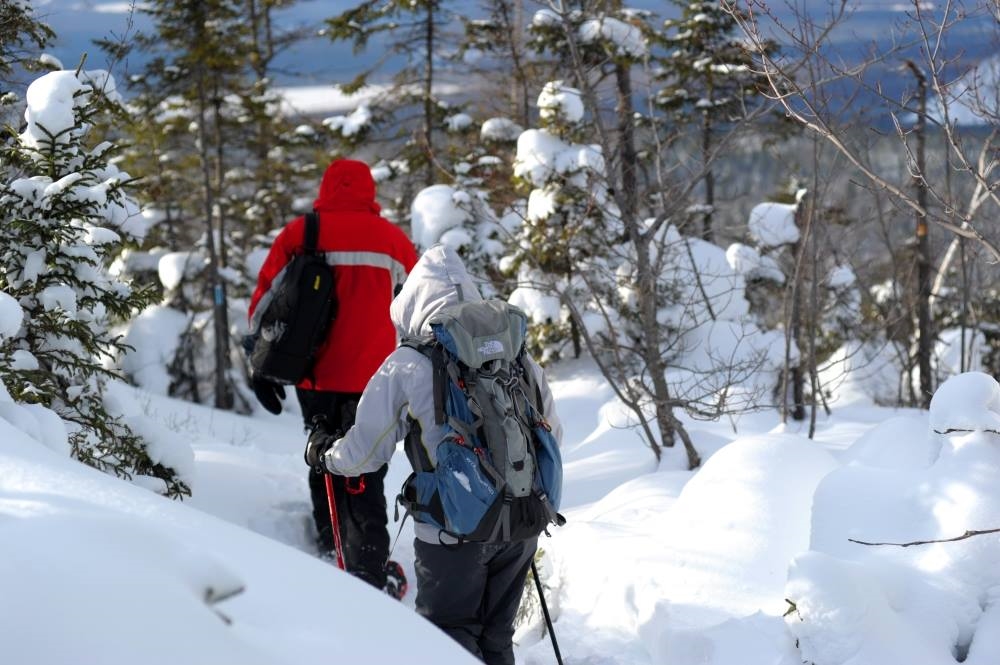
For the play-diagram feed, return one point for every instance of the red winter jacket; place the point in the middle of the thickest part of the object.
(370, 256)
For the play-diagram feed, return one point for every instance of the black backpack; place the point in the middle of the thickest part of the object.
(295, 321)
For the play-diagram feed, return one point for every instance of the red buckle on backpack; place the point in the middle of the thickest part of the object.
(357, 489)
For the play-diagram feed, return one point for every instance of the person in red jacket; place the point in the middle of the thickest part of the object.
(370, 258)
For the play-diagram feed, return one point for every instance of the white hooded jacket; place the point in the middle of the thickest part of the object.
(402, 386)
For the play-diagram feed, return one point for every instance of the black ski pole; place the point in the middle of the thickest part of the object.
(545, 611)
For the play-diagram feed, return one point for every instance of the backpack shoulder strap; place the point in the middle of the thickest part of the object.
(533, 391)
(430, 348)
(311, 241)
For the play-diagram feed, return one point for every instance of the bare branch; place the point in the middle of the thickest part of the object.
(967, 534)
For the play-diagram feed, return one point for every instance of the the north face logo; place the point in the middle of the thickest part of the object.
(491, 348)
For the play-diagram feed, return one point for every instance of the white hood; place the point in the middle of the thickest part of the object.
(438, 279)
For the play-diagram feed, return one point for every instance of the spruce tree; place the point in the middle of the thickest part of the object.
(66, 215)
(709, 81)
(197, 131)
(496, 51)
(567, 213)
(282, 154)
(407, 121)
(21, 36)
(576, 206)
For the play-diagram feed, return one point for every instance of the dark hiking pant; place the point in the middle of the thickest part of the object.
(361, 508)
(472, 593)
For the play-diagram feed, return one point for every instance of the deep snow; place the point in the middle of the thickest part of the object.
(656, 565)
(748, 560)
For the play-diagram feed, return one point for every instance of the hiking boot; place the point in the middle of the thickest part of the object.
(395, 580)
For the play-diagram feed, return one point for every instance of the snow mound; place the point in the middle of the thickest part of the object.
(99, 570)
(50, 108)
(129, 587)
(747, 261)
(746, 509)
(862, 598)
(969, 401)
(542, 157)
(36, 422)
(626, 38)
(175, 267)
(901, 442)
(153, 336)
(848, 613)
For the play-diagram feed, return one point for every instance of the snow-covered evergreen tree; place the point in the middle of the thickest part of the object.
(710, 82)
(22, 35)
(225, 166)
(662, 312)
(407, 127)
(509, 71)
(568, 216)
(65, 216)
(460, 216)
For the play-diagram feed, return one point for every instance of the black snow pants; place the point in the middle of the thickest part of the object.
(472, 592)
(361, 507)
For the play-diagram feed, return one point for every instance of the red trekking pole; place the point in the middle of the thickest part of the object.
(334, 521)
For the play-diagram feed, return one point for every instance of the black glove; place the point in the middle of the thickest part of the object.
(248, 343)
(268, 393)
(320, 440)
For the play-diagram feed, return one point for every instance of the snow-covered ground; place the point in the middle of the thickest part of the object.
(779, 550)
(656, 564)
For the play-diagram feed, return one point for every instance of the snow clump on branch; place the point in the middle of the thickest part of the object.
(557, 101)
(626, 38)
(773, 224)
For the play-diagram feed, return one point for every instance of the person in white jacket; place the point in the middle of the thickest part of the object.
(471, 591)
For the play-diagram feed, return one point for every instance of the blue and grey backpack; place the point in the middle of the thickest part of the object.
(498, 476)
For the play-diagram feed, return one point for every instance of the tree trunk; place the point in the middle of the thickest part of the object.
(925, 334)
(223, 394)
(514, 19)
(794, 374)
(706, 150)
(428, 92)
(219, 317)
(797, 375)
(812, 328)
(626, 142)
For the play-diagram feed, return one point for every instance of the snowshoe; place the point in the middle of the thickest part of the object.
(395, 580)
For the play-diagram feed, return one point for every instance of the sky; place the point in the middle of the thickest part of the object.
(319, 61)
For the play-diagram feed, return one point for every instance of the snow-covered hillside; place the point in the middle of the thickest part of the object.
(655, 565)
(97, 570)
